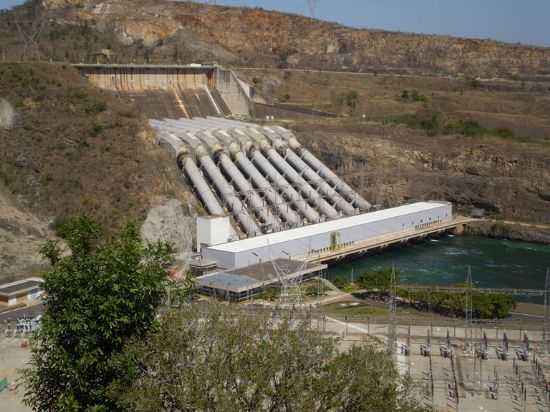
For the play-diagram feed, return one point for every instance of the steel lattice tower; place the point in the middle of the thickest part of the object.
(546, 330)
(468, 309)
(392, 327)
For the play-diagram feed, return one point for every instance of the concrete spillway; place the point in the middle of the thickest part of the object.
(261, 175)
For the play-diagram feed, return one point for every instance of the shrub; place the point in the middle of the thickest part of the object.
(341, 282)
(503, 132)
(95, 107)
(378, 279)
(475, 83)
(472, 128)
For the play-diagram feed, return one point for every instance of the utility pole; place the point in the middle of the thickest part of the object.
(546, 330)
(468, 310)
(392, 327)
(312, 6)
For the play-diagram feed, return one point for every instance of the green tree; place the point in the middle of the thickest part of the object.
(99, 296)
(352, 99)
(209, 359)
(377, 279)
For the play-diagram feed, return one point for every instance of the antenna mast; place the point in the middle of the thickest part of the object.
(468, 310)
(312, 6)
(546, 330)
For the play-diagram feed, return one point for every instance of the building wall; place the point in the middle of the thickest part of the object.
(319, 243)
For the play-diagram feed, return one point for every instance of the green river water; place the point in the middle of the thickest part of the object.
(444, 261)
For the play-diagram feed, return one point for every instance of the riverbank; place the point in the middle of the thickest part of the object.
(499, 229)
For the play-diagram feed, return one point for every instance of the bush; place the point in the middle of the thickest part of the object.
(341, 282)
(475, 83)
(313, 289)
(485, 305)
(95, 107)
(472, 128)
(414, 96)
(96, 130)
(378, 279)
(503, 132)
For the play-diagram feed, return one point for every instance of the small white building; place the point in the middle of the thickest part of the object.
(331, 235)
(21, 292)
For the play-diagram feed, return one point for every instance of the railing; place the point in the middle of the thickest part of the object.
(508, 291)
(382, 241)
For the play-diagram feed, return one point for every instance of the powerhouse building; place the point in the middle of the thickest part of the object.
(321, 238)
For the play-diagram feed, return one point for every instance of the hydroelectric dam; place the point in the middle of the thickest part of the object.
(274, 212)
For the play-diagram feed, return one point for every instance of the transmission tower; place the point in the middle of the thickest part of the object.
(392, 326)
(312, 6)
(546, 330)
(468, 310)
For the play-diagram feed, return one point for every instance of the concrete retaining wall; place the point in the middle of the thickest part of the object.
(140, 78)
(231, 90)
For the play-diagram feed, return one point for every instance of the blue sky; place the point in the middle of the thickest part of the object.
(524, 21)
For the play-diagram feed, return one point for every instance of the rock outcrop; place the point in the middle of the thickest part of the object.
(168, 222)
(165, 31)
(393, 165)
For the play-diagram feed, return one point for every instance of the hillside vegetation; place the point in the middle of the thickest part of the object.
(72, 148)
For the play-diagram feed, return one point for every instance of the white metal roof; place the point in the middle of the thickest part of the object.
(320, 228)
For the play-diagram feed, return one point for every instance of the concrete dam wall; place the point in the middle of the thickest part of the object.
(140, 78)
(174, 91)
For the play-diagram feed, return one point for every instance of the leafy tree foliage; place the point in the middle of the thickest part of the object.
(212, 360)
(99, 296)
(377, 279)
(485, 305)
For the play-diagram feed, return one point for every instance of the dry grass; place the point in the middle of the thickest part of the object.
(522, 108)
(75, 148)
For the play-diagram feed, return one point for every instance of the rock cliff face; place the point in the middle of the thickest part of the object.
(169, 222)
(164, 31)
(392, 165)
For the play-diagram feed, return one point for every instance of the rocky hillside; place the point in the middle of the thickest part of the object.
(72, 148)
(392, 165)
(167, 31)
